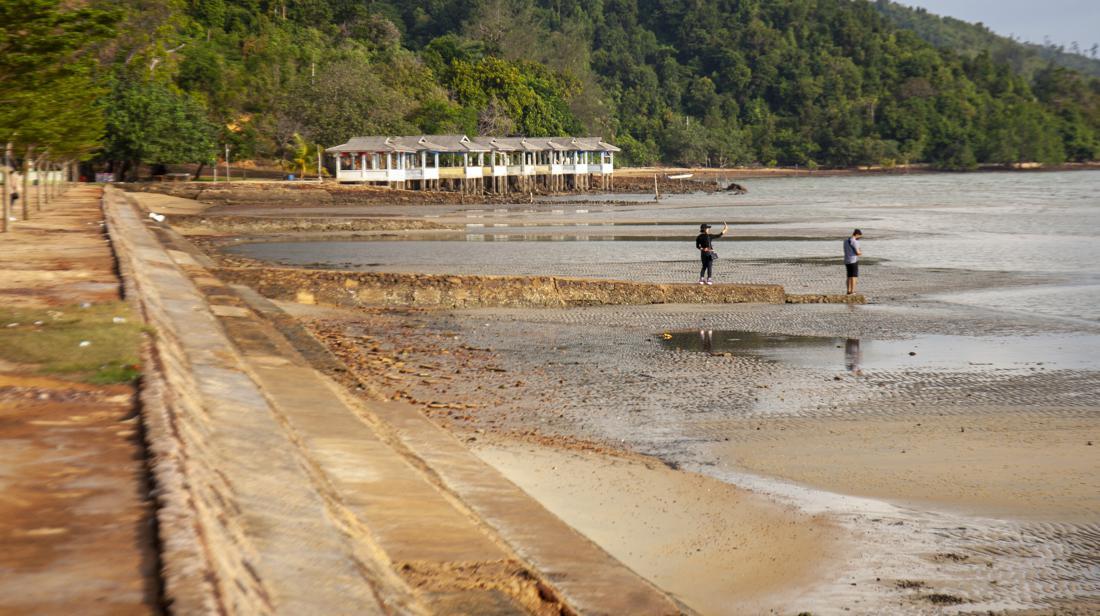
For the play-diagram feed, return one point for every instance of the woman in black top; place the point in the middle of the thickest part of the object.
(706, 252)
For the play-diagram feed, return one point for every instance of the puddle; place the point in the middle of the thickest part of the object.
(929, 352)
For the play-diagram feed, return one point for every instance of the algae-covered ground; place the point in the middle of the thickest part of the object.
(95, 343)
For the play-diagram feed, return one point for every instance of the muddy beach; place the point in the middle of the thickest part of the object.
(936, 451)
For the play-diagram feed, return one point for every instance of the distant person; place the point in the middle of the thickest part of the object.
(706, 252)
(852, 254)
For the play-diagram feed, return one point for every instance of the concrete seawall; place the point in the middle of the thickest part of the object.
(279, 492)
(242, 527)
(363, 289)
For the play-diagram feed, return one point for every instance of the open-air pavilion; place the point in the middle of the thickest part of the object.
(482, 164)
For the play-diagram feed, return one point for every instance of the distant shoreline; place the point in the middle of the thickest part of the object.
(763, 172)
(628, 181)
(259, 172)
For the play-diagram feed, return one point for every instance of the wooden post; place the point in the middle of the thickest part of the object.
(656, 192)
(319, 163)
(227, 163)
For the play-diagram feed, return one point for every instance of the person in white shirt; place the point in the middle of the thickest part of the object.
(852, 254)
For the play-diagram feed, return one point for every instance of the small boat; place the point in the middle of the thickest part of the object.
(682, 176)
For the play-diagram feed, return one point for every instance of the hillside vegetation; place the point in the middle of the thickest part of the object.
(970, 39)
(788, 82)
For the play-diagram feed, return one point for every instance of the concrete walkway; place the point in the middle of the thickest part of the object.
(283, 493)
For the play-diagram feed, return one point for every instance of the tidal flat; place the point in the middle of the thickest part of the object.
(948, 461)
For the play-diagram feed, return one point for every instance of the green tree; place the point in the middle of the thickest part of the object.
(347, 99)
(47, 89)
(148, 122)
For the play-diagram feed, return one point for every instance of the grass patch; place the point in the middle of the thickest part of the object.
(97, 343)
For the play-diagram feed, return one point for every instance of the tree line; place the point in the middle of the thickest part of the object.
(970, 39)
(729, 82)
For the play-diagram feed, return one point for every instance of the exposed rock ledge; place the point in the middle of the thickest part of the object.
(370, 289)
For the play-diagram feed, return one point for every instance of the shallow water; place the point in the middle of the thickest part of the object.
(926, 352)
(1031, 223)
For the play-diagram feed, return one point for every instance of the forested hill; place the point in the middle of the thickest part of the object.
(721, 82)
(971, 39)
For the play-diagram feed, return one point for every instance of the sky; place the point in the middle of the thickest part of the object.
(1063, 21)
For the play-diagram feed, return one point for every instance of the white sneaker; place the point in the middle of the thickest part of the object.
(701, 281)
(709, 281)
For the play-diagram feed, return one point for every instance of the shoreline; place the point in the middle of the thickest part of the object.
(628, 181)
(940, 468)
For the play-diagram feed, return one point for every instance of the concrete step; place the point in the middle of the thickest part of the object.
(584, 575)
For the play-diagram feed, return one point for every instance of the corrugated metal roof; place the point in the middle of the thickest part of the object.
(442, 143)
(370, 144)
(496, 143)
(546, 143)
(519, 143)
(463, 144)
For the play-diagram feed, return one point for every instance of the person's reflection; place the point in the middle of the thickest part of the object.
(706, 336)
(853, 357)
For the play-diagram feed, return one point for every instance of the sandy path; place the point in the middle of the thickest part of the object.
(74, 512)
(719, 549)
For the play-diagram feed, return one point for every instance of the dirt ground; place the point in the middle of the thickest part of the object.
(75, 518)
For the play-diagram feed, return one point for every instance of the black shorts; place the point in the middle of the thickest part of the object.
(853, 269)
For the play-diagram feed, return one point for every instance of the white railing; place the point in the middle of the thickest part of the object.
(521, 170)
(605, 168)
(361, 175)
(500, 170)
(556, 169)
(474, 172)
(422, 173)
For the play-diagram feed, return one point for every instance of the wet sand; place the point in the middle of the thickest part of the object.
(945, 488)
(1000, 465)
(990, 504)
(719, 549)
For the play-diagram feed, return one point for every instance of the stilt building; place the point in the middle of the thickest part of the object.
(483, 164)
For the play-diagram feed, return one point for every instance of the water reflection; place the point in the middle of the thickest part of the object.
(706, 338)
(926, 352)
(853, 356)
